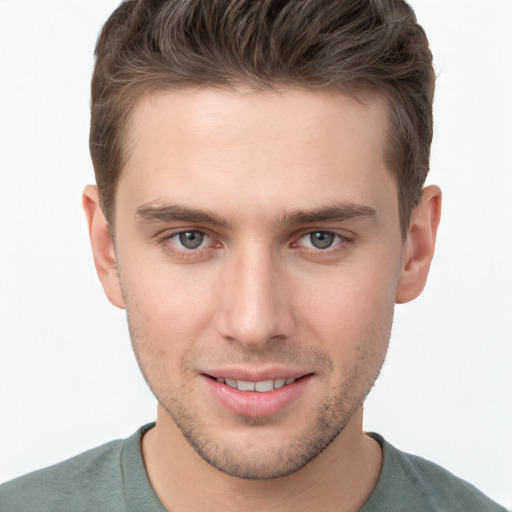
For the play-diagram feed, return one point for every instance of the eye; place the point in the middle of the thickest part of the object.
(190, 239)
(320, 240)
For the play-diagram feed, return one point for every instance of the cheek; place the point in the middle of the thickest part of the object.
(167, 310)
(351, 309)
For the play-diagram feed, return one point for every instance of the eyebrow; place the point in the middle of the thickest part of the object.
(336, 212)
(172, 213)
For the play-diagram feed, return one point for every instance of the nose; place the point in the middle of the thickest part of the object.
(254, 306)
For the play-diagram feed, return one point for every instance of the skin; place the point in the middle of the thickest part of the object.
(259, 177)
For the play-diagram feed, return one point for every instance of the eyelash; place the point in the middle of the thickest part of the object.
(198, 253)
(183, 252)
(341, 239)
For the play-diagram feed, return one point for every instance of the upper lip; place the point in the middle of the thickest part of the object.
(256, 375)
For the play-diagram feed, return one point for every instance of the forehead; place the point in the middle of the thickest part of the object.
(274, 148)
(225, 116)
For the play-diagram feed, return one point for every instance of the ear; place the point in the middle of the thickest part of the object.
(419, 246)
(102, 246)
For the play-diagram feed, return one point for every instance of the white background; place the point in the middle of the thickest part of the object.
(68, 380)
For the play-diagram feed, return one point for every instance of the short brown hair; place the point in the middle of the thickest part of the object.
(349, 45)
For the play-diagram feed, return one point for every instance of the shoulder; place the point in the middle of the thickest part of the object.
(413, 483)
(92, 477)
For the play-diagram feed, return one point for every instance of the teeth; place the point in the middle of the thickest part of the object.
(261, 386)
(264, 385)
(244, 385)
(279, 383)
(231, 383)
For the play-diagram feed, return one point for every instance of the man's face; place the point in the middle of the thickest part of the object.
(258, 246)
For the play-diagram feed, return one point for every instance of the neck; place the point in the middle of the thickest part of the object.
(342, 477)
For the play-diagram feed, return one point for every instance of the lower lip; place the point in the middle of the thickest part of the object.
(254, 404)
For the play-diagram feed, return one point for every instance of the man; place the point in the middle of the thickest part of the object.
(259, 211)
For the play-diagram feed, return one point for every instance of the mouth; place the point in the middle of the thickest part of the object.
(261, 396)
(261, 386)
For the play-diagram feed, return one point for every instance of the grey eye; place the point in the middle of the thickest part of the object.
(191, 239)
(321, 239)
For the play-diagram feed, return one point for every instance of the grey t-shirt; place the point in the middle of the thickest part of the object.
(112, 477)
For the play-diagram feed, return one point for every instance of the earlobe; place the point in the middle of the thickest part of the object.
(419, 247)
(102, 246)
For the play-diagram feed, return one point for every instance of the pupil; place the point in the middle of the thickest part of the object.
(322, 239)
(191, 239)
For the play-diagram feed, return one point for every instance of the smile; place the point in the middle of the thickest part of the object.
(261, 386)
(259, 396)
